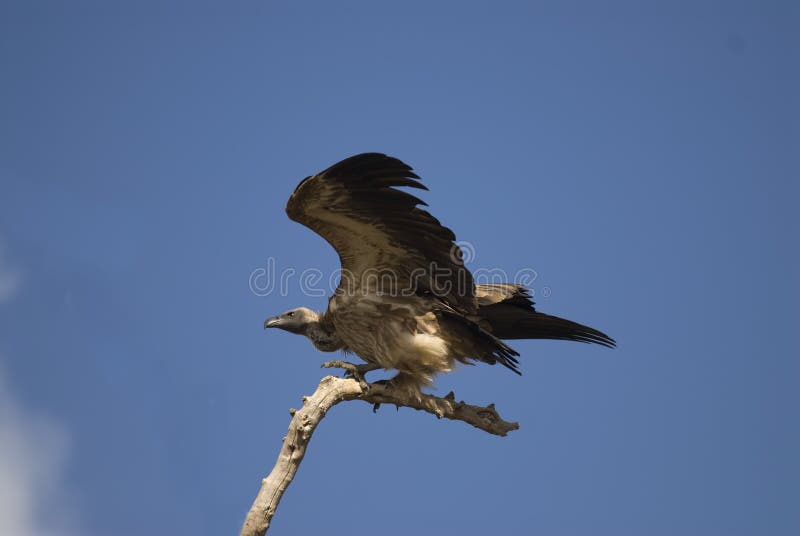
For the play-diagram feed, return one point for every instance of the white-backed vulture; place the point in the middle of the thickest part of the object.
(405, 300)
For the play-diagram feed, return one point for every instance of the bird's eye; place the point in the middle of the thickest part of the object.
(290, 314)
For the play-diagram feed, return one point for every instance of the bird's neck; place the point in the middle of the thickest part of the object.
(323, 336)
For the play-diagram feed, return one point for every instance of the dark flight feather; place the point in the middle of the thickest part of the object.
(355, 206)
(507, 311)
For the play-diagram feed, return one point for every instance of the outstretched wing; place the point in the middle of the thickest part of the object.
(385, 241)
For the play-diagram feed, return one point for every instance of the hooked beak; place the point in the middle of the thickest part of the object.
(273, 322)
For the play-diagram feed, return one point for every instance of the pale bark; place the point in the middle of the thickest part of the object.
(331, 391)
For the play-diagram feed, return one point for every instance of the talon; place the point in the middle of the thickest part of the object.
(351, 370)
(352, 374)
(363, 384)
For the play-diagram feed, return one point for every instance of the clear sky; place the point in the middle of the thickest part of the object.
(640, 157)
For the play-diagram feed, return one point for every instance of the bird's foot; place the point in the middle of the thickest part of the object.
(351, 370)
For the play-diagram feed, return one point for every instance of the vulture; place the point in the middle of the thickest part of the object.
(405, 299)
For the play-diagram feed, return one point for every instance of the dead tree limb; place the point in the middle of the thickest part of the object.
(330, 392)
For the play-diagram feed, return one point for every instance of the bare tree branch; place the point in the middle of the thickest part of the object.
(330, 392)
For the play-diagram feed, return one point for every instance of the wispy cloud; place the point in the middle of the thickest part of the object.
(33, 449)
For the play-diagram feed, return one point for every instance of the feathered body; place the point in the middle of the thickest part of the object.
(406, 301)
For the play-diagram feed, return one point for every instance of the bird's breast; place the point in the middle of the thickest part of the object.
(394, 332)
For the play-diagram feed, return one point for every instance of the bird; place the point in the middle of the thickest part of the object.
(405, 300)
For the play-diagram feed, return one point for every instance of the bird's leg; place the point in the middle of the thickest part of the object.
(351, 370)
(362, 369)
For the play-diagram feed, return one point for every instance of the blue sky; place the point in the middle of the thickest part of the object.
(641, 157)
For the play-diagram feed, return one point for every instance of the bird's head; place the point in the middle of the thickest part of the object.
(293, 321)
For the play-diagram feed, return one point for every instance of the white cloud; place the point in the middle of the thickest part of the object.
(33, 450)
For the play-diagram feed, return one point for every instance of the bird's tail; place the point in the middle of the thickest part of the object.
(510, 322)
(507, 311)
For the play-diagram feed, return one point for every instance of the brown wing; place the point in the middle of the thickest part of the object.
(385, 241)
